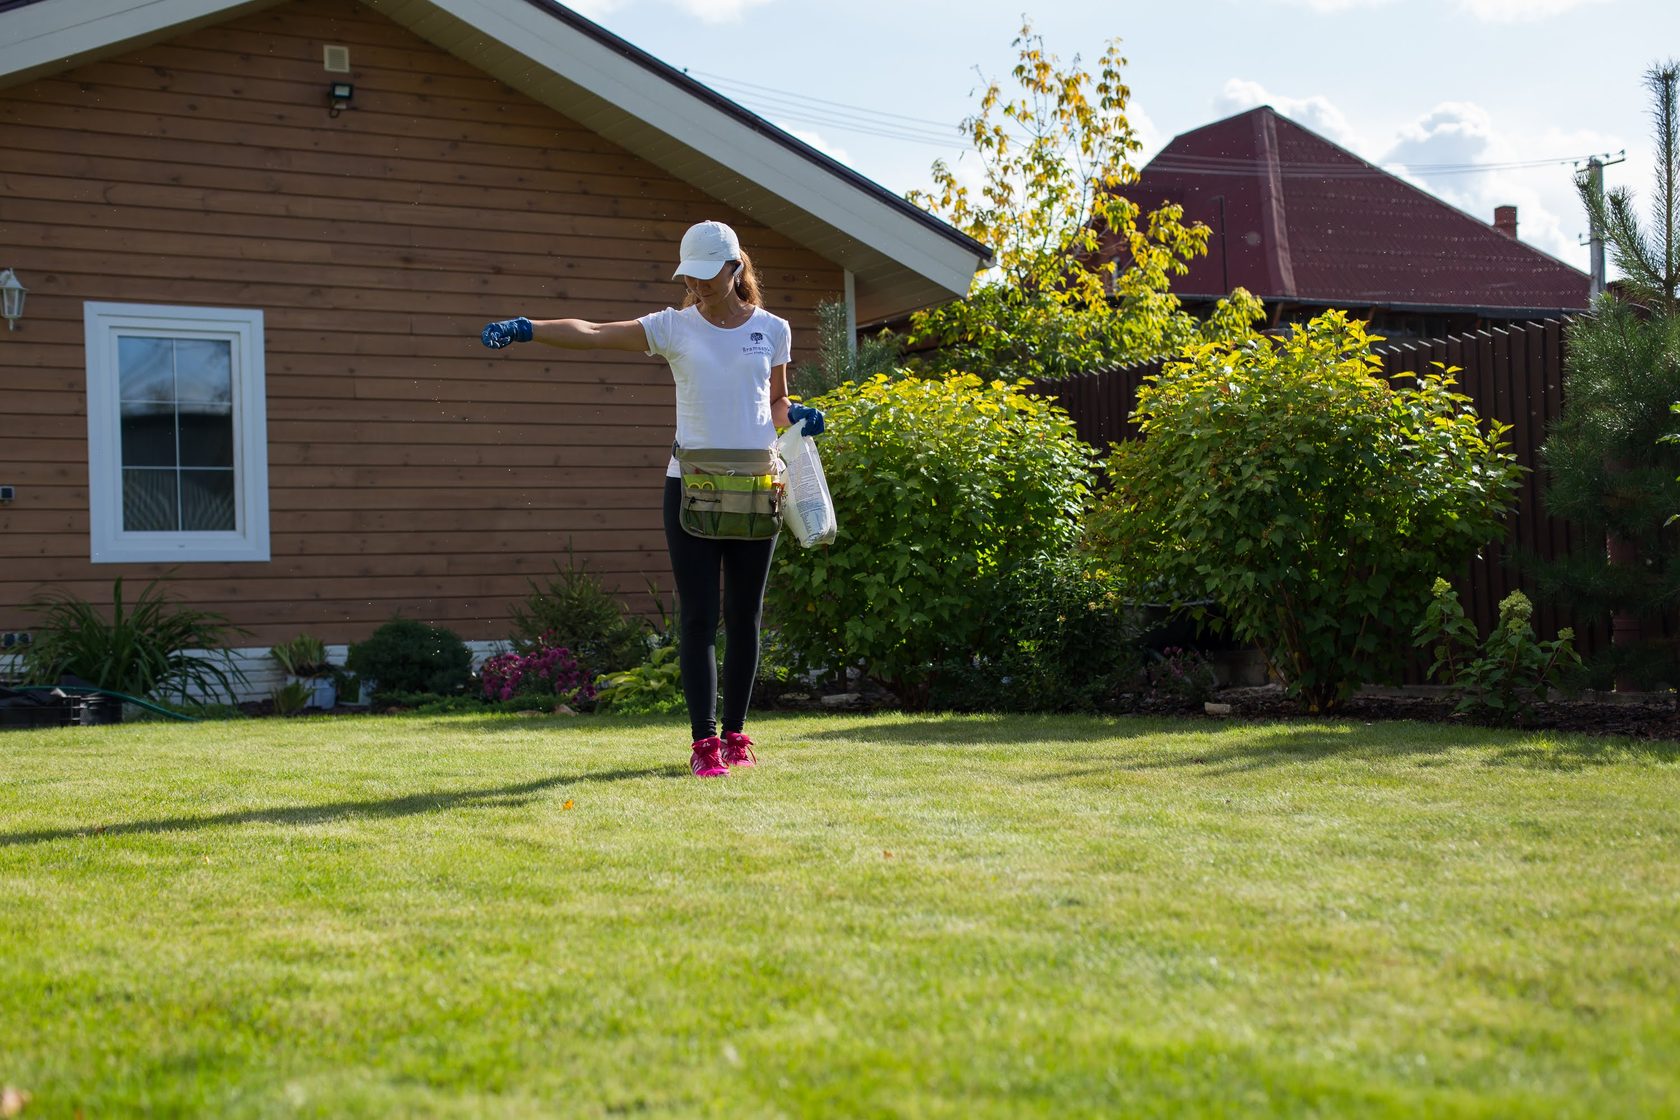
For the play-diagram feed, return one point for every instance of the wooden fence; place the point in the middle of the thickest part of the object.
(1513, 374)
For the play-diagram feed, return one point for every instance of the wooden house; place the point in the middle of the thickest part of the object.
(259, 239)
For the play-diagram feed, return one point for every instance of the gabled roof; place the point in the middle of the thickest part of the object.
(902, 258)
(1297, 219)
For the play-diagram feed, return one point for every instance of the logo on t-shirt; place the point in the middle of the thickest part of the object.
(756, 344)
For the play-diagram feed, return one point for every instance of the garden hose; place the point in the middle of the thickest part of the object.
(83, 690)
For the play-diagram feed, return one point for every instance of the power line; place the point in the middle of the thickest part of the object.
(862, 120)
(847, 118)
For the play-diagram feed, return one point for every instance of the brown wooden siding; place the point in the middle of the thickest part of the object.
(411, 471)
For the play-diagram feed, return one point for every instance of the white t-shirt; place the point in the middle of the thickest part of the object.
(722, 375)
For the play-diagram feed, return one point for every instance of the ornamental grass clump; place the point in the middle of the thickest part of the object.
(1313, 500)
(547, 672)
(150, 647)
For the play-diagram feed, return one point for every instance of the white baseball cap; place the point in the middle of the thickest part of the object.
(705, 249)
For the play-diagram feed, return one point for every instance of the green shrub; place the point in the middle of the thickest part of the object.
(1060, 637)
(290, 698)
(152, 647)
(573, 609)
(938, 487)
(652, 688)
(1501, 676)
(302, 656)
(1311, 500)
(408, 656)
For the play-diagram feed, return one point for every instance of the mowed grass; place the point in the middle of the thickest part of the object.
(891, 916)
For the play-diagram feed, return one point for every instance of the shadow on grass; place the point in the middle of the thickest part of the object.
(412, 804)
(503, 723)
(1227, 747)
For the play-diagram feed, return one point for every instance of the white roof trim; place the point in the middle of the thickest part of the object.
(901, 259)
(50, 35)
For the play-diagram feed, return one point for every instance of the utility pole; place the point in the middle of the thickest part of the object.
(1595, 184)
(1593, 180)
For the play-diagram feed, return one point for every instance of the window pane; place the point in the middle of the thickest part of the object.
(149, 502)
(207, 502)
(148, 434)
(146, 368)
(204, 370)
(206, 435)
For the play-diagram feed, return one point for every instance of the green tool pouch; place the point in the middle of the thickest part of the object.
(729, 494)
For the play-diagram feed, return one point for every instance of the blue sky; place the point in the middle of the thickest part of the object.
(882, 84)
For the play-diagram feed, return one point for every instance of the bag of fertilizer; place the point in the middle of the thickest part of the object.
(807, 510)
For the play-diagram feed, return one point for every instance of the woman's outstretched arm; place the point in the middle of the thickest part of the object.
(568, 334)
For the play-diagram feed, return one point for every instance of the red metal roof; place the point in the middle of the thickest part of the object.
(1306, 221)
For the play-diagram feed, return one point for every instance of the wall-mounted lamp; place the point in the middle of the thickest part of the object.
(338, 97)
(12, 295)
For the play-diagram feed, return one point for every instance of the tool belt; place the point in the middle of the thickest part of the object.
(731, 494)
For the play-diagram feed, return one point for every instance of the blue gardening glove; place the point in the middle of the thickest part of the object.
(813, 418)
(506, 332)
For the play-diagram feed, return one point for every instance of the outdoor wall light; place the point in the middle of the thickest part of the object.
(12, 295)
(338, 97)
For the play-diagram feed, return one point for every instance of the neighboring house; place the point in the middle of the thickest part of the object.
(1306, 225)
(249, 355)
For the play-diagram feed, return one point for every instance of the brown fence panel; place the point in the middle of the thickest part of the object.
(1512, 374)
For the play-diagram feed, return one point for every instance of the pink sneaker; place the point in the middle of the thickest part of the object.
(737, 750)
(706, 762)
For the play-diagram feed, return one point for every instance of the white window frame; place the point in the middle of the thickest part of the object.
(243, 328)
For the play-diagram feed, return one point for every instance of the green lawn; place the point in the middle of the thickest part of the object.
(892, 916)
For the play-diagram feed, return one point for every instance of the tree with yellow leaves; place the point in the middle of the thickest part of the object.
(1056, 160)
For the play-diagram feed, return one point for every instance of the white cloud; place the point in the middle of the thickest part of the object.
(1317, 112)
(1521, 11)
(1148, 134)
(1454, 134)
(594, 9)
(815, 139)
(1436, 151)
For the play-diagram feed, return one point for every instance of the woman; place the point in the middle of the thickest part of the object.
(729, 358)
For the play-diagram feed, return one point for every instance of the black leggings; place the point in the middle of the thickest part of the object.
(696, 563)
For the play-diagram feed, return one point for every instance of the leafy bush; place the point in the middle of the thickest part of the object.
(408, 656)
(1059, 637)
(652, 688)
(303, 656)
(1312, 501)
(939, 486)
(574, 609)
(549, 673)
(154, 647)
(1498, 677)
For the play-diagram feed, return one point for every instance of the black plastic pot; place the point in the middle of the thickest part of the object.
(33, 709)
(96, 711)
